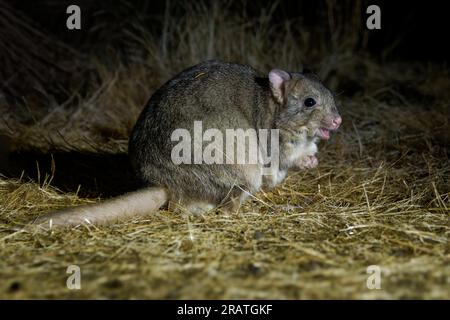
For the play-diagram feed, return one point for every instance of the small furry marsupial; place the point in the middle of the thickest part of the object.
(222, 96)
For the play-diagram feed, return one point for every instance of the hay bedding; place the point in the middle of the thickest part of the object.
(380, 196)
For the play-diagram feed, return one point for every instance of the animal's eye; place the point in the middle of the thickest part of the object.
(309, 102)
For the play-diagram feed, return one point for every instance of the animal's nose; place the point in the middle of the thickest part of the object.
(337, 122)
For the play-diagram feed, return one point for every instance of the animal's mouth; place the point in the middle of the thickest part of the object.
(323, 133)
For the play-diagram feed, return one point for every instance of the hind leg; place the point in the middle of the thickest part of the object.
(200, 207)
(233, 202)
(194, 207)
(231, 206)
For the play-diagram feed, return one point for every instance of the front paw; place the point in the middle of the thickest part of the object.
(307, 162)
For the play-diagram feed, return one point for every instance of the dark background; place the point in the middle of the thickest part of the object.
(40, 54)
(416, 30)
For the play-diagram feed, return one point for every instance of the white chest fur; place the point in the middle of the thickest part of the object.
(300, 149)
(291, 153)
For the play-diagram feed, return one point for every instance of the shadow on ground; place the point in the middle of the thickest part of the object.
(91, 174)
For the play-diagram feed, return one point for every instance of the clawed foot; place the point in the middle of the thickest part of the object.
(307, 162)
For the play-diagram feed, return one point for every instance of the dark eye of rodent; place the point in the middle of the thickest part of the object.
(309, 102)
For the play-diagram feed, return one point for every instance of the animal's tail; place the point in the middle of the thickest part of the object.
(136, 203)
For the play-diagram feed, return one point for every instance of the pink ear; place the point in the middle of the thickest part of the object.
(277, 77)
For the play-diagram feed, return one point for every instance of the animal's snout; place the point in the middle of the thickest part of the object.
(336, 122)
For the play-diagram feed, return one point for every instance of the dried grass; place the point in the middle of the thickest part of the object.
(380, 195)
